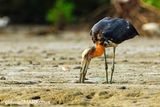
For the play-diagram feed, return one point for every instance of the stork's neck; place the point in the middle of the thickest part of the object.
(99, 50)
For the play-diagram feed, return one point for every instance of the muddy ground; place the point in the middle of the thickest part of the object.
(43, 70)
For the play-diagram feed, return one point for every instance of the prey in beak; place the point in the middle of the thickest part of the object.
(87, 55)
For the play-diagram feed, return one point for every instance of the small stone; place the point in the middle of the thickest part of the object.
(61, 63)
(44, 51)
(77, 67)
(123, 87)
(22, 70)
(134, 101)
(63, 58)
(140, 74)
(48, 90)
(20, 51)
(89, 97)
(8, 64)
(36, 97)
(30, 62)
(125, 60)
(37, 63)
(55, 65)
(4, 57)
(71, 58)
(102, 93)
(31, 105)
(65, 68)
(18, 63)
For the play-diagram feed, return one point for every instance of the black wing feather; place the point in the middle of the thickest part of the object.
(116, 30)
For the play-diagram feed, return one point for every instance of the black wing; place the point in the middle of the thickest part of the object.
(116, 30)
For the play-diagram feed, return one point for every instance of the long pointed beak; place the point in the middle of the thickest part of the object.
(87, 55)
(83, 70)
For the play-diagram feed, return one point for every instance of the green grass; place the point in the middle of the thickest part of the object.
(61, 11)
(155, 3)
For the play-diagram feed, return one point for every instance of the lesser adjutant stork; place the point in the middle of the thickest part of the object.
(108, 32)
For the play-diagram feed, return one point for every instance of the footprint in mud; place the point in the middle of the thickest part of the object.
(122, 87)
(35, 97)
(53, 59)
(71, 58)
(77, 67)
(133, 94)
(99, 95)
(77, 93)
(22, 82)
(2, 78)
(103, 95)
(63, 58)
(90, 96)
(68, 97)
(20, 51)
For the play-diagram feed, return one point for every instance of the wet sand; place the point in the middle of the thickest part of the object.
(42, 71)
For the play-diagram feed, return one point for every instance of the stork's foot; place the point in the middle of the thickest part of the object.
(75, 81)
(111, 82)
(79, 81)
(105, 82)
(85, 78)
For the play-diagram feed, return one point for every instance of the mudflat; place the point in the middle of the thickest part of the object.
(43, 71)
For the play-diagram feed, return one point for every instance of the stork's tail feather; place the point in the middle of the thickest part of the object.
(133, 29)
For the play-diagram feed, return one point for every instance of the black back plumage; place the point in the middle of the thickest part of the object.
(116, 30)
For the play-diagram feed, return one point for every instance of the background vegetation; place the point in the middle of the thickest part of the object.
(48, 11)
(155, 3)
(58, 12)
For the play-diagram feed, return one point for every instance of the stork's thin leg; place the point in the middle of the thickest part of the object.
(113, 62)
(106, 65)
(80, 76)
